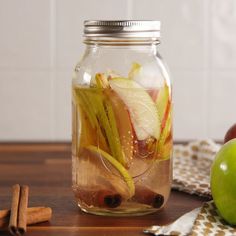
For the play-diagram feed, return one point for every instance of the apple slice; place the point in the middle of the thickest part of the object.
(123, 124)
(164, 107)
(135, 73)
(135, 69)
(102, 109)
(162, 103)
(142, 109)
(83, 98)
(101, 80)
(166, 151)
(166, 135)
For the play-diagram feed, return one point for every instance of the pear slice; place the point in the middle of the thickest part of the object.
(119, 167)
(142, 109)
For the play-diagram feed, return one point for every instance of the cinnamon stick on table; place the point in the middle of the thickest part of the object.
(34, 215)
(38, 214)
(18, 216)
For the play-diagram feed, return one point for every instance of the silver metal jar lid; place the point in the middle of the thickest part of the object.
(122, 29)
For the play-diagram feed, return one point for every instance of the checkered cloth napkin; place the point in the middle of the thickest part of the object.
(191, 174)
(192, 165)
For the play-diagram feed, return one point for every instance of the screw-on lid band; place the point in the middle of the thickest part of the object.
(122, 29)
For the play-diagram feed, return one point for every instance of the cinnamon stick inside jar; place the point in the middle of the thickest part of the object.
(146, 196)
(100, 198)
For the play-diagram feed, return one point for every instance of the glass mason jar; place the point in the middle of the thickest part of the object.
(122, 120)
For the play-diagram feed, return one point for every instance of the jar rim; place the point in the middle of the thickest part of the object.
(142, 29)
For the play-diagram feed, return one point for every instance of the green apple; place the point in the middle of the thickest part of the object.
(223, 181)
(142, 109)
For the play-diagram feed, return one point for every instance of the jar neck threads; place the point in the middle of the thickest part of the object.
(120, 41)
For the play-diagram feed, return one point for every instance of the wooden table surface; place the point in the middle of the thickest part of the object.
(46, 168)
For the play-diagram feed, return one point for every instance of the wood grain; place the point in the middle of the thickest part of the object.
(48, 174)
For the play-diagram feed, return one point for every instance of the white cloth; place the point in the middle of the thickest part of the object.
(180, 227)
(200, 221)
